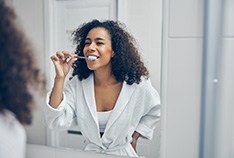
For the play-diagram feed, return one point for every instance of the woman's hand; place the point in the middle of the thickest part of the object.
(135, 137)
(62, 66)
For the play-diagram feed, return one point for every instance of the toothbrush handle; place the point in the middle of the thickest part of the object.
(78, 57)
(81, 57)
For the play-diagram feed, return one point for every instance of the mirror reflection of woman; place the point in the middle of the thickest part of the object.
(110, 96)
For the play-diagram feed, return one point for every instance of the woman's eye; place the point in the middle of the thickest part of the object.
(87, 43)
(100, 43)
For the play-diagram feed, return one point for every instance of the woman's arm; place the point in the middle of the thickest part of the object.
(135, 137)
(62, 67)
(56, 96)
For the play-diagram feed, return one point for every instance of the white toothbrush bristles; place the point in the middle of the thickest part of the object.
(91, 58)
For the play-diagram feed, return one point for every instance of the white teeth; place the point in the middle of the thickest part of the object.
(91, 58)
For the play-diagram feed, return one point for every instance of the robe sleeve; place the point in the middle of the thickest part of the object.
(63, 116)
(151, 117)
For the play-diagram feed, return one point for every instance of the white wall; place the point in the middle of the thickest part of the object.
(181, 77)
(181, 80)
(144, 21)
(225, 123)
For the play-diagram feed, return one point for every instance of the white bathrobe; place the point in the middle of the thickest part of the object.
(137, 109)
(12, 136)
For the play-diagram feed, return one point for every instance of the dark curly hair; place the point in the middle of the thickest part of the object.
(126, 64)
(18, 73)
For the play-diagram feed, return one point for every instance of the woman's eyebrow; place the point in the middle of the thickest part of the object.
(87, 39)
(97, 39)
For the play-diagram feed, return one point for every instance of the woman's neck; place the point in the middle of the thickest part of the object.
(104, 78)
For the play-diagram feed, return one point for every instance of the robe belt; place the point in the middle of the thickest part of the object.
(103, 149)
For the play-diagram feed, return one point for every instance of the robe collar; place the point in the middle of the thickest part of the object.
(123, 98)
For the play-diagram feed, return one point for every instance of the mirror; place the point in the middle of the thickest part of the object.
(44, 22)
(176, 73)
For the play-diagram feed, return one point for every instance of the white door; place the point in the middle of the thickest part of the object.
(62, 17)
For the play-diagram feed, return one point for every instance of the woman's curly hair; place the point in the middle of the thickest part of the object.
(18, 72)
(126, 63)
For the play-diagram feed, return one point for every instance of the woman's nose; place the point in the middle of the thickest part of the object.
(91, 47)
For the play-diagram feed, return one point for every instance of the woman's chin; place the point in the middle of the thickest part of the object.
(92, 68)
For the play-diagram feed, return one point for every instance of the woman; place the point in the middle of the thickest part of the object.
(111, 99)
(17, 75)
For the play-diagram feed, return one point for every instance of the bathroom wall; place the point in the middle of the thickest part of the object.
(181, 80)
(225, 123)
(144, 21)
(181, 77)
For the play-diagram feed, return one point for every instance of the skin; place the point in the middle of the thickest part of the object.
(97, 43)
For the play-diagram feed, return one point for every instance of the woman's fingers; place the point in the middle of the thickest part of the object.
(70, 58)
(68, 54)
(71, 61)
(63, 56)
(54, 58)
(63, 61)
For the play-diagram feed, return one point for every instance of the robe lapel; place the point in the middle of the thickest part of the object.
(88, 89)
(123, 99)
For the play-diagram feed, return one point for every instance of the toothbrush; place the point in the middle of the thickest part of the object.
(80, 57)
(90, 58)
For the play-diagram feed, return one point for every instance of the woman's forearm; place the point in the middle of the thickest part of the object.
(56, 96)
